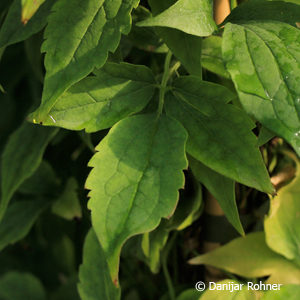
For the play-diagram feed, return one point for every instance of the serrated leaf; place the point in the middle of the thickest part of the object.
(220, 134)
(20, 286)
(190, 16)
(29, 8)
(95, 281)
(238, 256)
(135, 180)
(211, 56)
(19, 218)
(263, 59)
(283, 221)
(265, 10)
(222, 188)
(218, 291)
(98, 102)
(289, 291)
(76, 44)
(21, 157)
(67, 205)
(13, 31)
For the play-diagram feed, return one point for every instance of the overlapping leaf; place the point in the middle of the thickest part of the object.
(19, 218)
(238, 256)
(222, 188)
(98, 102)
(190, 16)
(19, 286)
(79, 36)
(29, 8)
(13, 30)
(283, 222)
(219, 133)
(188, 51)
(21, 157)
(95, 281)
(263, 59)
(265, 10)
(135, 180)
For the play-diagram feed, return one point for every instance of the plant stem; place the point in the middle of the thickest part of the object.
(164, 82)
(164, 261)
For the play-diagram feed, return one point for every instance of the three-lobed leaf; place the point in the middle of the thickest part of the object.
(264, 62)
(220, 134)
(135, 180)
(98, 102)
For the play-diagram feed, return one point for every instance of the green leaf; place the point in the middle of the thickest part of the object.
(188, 51)
(190, 16)
(20, 286)
(78, 43)
(222, 188)
(13, 31)
(95, 281)
(289, 291)
(29, 8)
(264, 136)
(265, 10)
(238, 256)
(283, 221)
(21, 158)
(187, 211)
(217, 292)
(135, 180)
(220, 134)
(264, 61)
(152, 244)
(98, 102)
(190, 294)
(67, 205)
(19, 218)
(43, 182)
(211, 56)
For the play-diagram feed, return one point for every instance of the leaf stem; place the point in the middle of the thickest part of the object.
(164, 81)
(164, 261)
